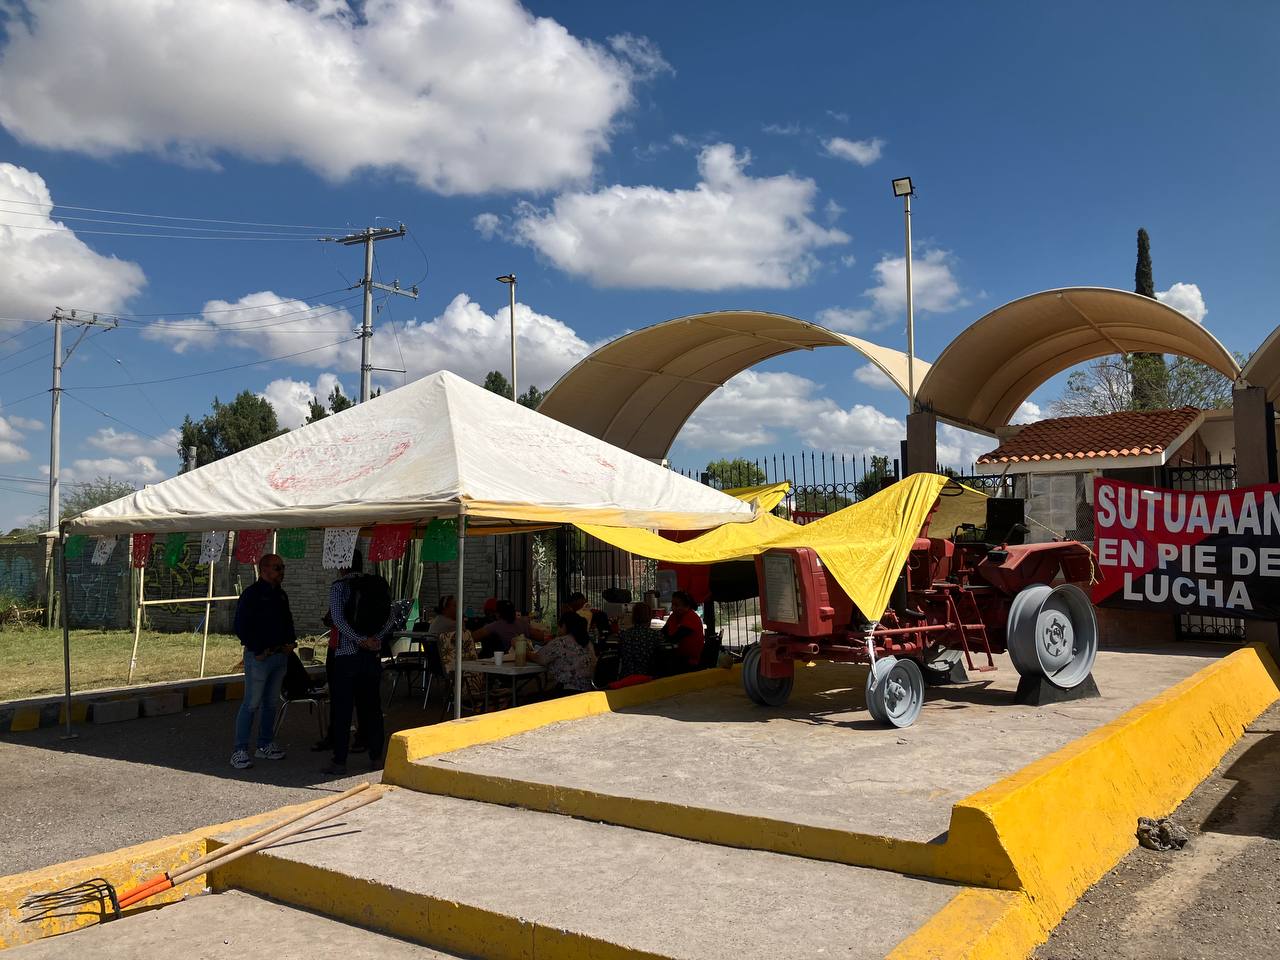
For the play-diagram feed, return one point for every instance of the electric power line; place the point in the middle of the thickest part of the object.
(148, 226)
(123, 423)
(205, 373)
(160, 236)
(161, 216)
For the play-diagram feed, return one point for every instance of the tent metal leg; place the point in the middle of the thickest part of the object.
(66, 640)
(137, 620)
(461, 622)
(208, 605)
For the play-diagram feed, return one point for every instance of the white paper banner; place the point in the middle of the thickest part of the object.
(103, 549)
(339, 545)
(212, 543)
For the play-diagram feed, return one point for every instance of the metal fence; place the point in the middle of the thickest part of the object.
(1209, 476)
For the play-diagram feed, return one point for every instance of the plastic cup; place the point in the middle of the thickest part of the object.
(497, 658)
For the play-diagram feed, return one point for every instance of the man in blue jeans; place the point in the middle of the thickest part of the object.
(264, 625)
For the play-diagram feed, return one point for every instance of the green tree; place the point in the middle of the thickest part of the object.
(496, 382)
(878, 476)
(79, 497)
(531, 398)
(1106, 386)
(338, 401)
(231, 427)
(1147, 371)
(738, 472)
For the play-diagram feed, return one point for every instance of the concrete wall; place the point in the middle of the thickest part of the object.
(22, 570)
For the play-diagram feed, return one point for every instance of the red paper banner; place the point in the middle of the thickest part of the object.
(142, 548)
(250, 545)
(389, 542)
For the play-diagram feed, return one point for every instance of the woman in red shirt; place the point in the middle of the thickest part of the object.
(684, 629)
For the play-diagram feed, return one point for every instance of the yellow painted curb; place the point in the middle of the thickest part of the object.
(408, 746)
(24, 719)
(975, 925)
(199, 696)
(79, 711)
(434, 922)
(122, 868)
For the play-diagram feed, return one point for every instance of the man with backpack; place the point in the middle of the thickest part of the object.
(360, 608)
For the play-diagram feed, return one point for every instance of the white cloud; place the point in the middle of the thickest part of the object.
(781, 129)
(11, 437)
(45, 264)
(1027, 412)
(464, 97)
(1185, 298)
(643, 54)
(487, 224)
(137, 470)
(862, 152)
(754, 409)
(869, 375)
(934, 287)
(26, 423)
(730, 231)
(123, 443)
(848, 319)
(268, 324)
(960, 449)
(292, 398)
(471, 342)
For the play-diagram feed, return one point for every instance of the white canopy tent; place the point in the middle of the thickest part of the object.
(439, 447)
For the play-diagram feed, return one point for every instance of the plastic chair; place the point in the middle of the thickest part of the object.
(317, 702)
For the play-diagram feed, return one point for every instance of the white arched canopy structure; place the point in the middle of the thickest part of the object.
(1263, 367)
(996, 363)
(637, 391)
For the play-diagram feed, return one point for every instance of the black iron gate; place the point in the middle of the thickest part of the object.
(1210, 476)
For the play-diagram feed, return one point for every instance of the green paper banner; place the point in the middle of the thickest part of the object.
(75, 546)
(440, 542)
(292, 544)
(174, 546)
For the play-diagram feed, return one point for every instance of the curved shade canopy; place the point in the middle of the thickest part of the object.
(996, 363)
(637, 391)
(1263, 368)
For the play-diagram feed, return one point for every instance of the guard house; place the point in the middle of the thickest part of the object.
(1051, 463)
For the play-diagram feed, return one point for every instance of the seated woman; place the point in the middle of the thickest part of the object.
(638, 644)
(499, 634)
(473, 683)
(570, 658)
(683, 630)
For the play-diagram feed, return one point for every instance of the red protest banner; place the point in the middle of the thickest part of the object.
(1191, 551)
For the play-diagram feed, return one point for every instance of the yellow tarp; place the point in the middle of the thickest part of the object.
(958, 504)
(864, 545)
(767, 496)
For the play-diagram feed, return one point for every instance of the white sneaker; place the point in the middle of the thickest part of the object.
(270, 752)
(240, 760)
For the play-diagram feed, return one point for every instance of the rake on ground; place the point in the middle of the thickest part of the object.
(99, 892)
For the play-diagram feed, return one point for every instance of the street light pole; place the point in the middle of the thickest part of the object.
(911, 320)
(510, 281)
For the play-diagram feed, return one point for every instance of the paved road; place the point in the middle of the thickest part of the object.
(125, 783)
(1219, 897)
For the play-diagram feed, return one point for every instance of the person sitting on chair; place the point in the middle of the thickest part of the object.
(499, 634)
(684, 630)
(569, 658)
(638, 644)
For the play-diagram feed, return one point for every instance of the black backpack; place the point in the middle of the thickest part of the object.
(369, 606)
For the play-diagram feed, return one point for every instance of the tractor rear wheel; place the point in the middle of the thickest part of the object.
(895, 691)
(1053, 633)
(769, 691)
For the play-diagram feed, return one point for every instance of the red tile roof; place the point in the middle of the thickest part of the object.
(1133, 433)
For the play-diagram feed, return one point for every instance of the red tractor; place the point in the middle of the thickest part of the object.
(958, 596)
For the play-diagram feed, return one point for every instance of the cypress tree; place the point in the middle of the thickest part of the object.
(1148, 375)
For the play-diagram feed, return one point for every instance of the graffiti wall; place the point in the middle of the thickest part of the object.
(21, 571)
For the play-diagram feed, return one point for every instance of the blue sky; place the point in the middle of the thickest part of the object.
(629, 162)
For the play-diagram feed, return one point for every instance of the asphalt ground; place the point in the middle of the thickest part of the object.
(1216, 899)
(126, 783)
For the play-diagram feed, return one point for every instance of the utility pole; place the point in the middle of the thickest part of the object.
(368, 236)
(510, 281)
(60, 317)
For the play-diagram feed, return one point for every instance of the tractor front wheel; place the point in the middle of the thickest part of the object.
(766, 691)
(895, 691)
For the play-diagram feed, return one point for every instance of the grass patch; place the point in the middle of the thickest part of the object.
(31, 659)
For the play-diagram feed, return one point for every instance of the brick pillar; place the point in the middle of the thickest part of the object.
(922, 442)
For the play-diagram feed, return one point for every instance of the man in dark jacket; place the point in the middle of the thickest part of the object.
(264, 625)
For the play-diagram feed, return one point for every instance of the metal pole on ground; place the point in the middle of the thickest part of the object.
(66, 634)
(460, 622)
(137, 619)
(208, 608)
